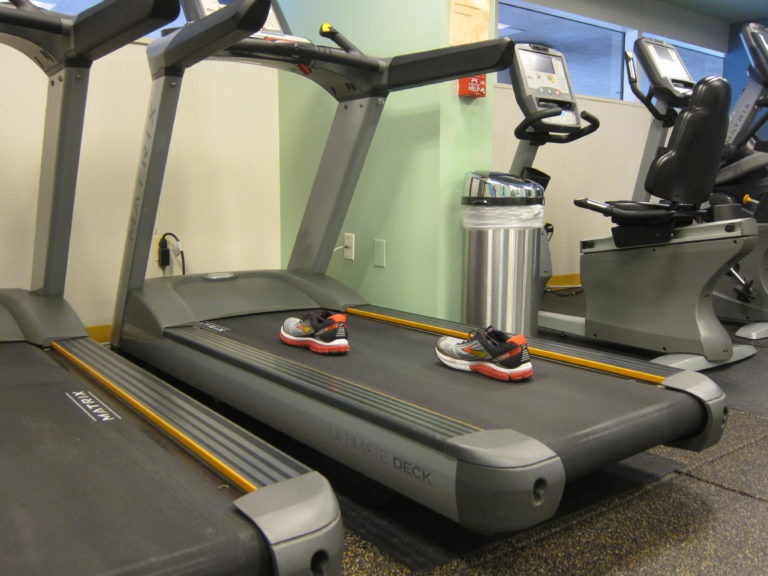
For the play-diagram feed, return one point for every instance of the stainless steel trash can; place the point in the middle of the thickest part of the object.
(503, 220)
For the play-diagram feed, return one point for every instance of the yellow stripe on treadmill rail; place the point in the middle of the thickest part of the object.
(204, 454)
(598, 366)
(409, 323)
(539, 352)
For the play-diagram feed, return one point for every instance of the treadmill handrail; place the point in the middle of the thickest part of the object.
(26, 15)
(202, 38)
(112, 24)
(299, 52)
(751, 38)
(431, 66)
(55, 41)
(372, 75)
(398, 72)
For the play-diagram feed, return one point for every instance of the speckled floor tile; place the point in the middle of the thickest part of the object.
(679, 526)
(694, 514)
(362, 557)
(744, 471)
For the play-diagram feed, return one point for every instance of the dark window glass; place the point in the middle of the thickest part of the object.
(594, 53)
(77, 6)
(698, 63)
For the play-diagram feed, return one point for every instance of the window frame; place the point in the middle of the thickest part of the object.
(630, 35)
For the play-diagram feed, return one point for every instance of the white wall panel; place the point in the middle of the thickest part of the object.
(221, 193)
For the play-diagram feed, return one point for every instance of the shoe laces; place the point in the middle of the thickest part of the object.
(489, 333)
(484, 332)
(473, 333)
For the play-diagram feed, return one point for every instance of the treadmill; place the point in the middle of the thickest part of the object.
(491, 456)
(107, 469)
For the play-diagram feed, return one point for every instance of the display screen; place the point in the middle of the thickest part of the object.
(272, 24)
(764, 41)
(668, 62)
(762, 47)
(544, 73)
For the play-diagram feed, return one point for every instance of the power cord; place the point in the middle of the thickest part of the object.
(164, 252)
(549, 230)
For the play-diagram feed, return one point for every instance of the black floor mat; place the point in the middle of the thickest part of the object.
(422, 540)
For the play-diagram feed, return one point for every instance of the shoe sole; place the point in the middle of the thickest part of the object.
(339, 346)
(522, 372)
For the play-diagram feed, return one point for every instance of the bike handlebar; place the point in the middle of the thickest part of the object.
(542, 134)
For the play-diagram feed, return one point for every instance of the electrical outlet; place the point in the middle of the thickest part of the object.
(379, 253)
(349, 246)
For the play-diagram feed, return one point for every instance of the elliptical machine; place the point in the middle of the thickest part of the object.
(743, 181)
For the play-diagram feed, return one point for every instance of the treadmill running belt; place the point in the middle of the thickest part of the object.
(94, 489)
(574, 411)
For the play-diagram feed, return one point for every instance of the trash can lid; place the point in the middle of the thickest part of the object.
(501, 189)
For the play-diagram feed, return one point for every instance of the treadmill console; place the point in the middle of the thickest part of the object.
(755, 39)
(669, 78)
(275, 28)
(541, 82)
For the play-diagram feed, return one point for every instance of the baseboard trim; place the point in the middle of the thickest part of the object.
(565, 281)
(101, 334)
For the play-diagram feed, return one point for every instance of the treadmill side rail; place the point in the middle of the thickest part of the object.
(10, 331)
(293, 508)
(713, 403)
(505, 480)
(39, 319)
(234, 453)
(312, 541)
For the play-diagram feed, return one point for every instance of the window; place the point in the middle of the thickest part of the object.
(593, 49)
(594, 53)
(699, 61)
(77, 6)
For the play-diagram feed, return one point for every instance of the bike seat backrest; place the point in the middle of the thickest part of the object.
(684, 171)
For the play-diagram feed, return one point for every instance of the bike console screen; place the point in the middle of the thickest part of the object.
(669, 63)
(541, 81)
(665, 69)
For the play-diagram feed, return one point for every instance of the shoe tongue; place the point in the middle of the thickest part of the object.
(326, 314)
(495, 336)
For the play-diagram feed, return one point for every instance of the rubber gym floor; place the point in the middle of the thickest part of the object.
(665, 511)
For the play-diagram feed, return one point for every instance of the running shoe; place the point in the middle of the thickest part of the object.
(489, 352)
(322, 332)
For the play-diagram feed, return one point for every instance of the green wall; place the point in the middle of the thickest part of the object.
(410, 190)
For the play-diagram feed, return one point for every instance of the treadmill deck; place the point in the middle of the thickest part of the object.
(577, 412)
